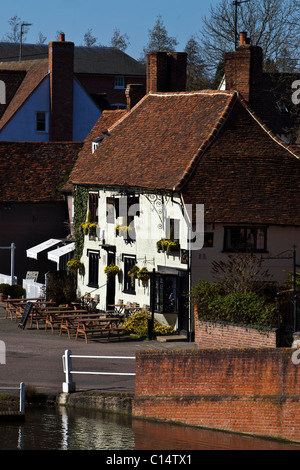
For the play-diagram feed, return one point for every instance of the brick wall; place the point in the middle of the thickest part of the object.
(166, 71)
(253, 391)
(243, 70)
(225, 335)
(61, 65)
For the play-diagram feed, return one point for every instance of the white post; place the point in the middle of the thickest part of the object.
(22, 397)
(68, 386)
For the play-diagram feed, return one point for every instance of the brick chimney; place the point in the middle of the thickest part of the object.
(61, 69)
(134, 93)
(243, 69)
(166, 71)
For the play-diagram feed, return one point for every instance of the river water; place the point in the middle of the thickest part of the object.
(61, 428)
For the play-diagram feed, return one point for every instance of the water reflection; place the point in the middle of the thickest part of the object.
(72, 429)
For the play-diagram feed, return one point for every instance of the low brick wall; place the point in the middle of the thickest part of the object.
(226, 335)
(253, 391)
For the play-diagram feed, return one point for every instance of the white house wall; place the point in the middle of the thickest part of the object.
(278, 257)
(150, 227)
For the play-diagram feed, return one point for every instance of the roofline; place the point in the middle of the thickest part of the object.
(253, 114)
(2, 125)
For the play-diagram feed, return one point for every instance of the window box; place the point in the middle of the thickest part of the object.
(167, 246)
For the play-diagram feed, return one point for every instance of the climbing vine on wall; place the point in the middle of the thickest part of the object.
(81, 196)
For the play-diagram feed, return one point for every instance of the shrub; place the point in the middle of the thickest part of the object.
(4, 288)
(61, 288)
(138, 324)
(16, 291)
(250, 308)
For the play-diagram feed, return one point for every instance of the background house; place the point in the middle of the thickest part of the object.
(32, 206)
(57, 92)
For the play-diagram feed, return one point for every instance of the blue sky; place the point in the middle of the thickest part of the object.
(133, 17)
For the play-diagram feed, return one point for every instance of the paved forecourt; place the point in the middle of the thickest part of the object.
(35, 357)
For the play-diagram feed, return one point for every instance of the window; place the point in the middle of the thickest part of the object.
(172, 229)
(166, 294)
(93, 268)
(132, 208)
(208, 240)
(129, 284)
(242, 239)
(119, 82)
(93, 207)
(112, 209)
(41, 121)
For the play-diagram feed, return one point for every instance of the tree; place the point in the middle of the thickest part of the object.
(41, 38)
(159, 40)
(120, 41)
(88, 39)
(196, 75)
(270, 24)
(15, 35)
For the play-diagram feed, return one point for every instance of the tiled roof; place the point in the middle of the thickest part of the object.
(247, 175)
(35, 171)
(97, 59)
(153, 146)
(29, 75)
(207, 145)
(107, 119)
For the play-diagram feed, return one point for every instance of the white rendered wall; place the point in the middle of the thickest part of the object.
(150, 227)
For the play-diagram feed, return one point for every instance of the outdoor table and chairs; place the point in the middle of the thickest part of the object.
(16, 307)
(87, 326)
(118, 309)
(69, 319)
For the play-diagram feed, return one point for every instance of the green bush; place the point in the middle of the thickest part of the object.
(16, 291)
(138, 324)
(4, 288)
(250, 308)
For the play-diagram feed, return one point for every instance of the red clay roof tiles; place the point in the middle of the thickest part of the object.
(207, 145)
(153, 145)
(35, 171)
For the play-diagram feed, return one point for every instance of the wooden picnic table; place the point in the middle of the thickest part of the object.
(69, 322)
(46, 314)
(36, 305)
(12, 304)
(87, 326)
(58, 317)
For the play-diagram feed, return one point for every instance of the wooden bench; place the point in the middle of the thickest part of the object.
(101, 325)
(69, 322)
(56, 317)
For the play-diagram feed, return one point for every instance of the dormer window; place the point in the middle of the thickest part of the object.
(96, 142)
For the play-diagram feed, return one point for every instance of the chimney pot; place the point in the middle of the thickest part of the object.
(62, 37)
(243, 38)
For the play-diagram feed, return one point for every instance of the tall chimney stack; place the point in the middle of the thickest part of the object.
(166, 71)
(243, 69)
(61, 69)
